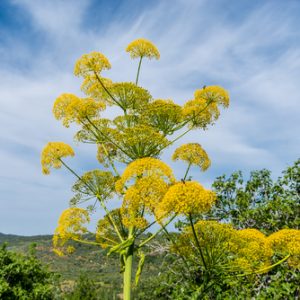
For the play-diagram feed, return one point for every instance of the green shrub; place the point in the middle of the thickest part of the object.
(24, 277)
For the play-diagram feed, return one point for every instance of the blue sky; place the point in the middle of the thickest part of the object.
(252, 48)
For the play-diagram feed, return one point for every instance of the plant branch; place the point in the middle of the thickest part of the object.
(197, 241)
(138, 71)
(107, 91)
(157, 232)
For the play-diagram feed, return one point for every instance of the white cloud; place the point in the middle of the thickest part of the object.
(256, 57)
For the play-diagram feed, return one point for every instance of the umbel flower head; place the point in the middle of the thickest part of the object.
(147, 192)
(70, 226)
(194, 154)
(287, 241)
(203, 110)
(93, 62)
(214, 93)
(163, 114)
(142, 48)
(52, 154)
(253, 252)
(145, 167)
(186, 198)
(214, 236)
(69, 108)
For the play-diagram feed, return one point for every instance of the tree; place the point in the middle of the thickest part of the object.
(24, 277)
(259, 202)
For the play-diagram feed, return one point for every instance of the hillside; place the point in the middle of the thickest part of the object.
(86, 259)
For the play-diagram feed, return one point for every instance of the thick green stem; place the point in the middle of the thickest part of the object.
(138, 71)
(127, 275)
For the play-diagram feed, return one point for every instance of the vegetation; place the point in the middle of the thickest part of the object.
(166, 274)
(233, 240)
(260, 202)
(149, 192)
(212, 252)
(24, 277)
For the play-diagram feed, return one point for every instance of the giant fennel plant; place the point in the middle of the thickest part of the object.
(148, 191)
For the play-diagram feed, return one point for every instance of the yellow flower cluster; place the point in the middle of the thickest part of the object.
(70, 226)
(164, 115)
(142, 48)
(147, 192)
(213, 93)
(194, 154)
(214, 238)
(145, 167)
(70, 108)
(246, 250)
(287, 241)
(253, 251)
(129, 95)
(93, 88)
(90, 63)
(203, 109)
(187, 197)
(132, 215)
(52, 154)
(140, 141)
(96, 183)
(95, 133)
(105, 232)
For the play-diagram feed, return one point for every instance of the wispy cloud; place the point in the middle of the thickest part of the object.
(252, 50)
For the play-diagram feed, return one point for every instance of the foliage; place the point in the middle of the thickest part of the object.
(259, 202)
(221, 246)
(87, 289)
(24, 277)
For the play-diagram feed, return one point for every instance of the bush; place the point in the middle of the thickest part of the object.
(24, 277)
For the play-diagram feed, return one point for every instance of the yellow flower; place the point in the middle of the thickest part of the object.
(203, 109)
(188, 197)
(193, 153)
(287, 241)
(93, 88)
(87, 132)
(52, 154)
(253, 251)
(164, 115)
(70, 226)
(147, 192)
(105, 232)
(132, 216)
(142, 48)
(200, 113)
(69, 108)
(213, 93)
(145, 167)
(95, 182)
(140, 141)
(129, 95)
(90, 63)
(214, 239)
